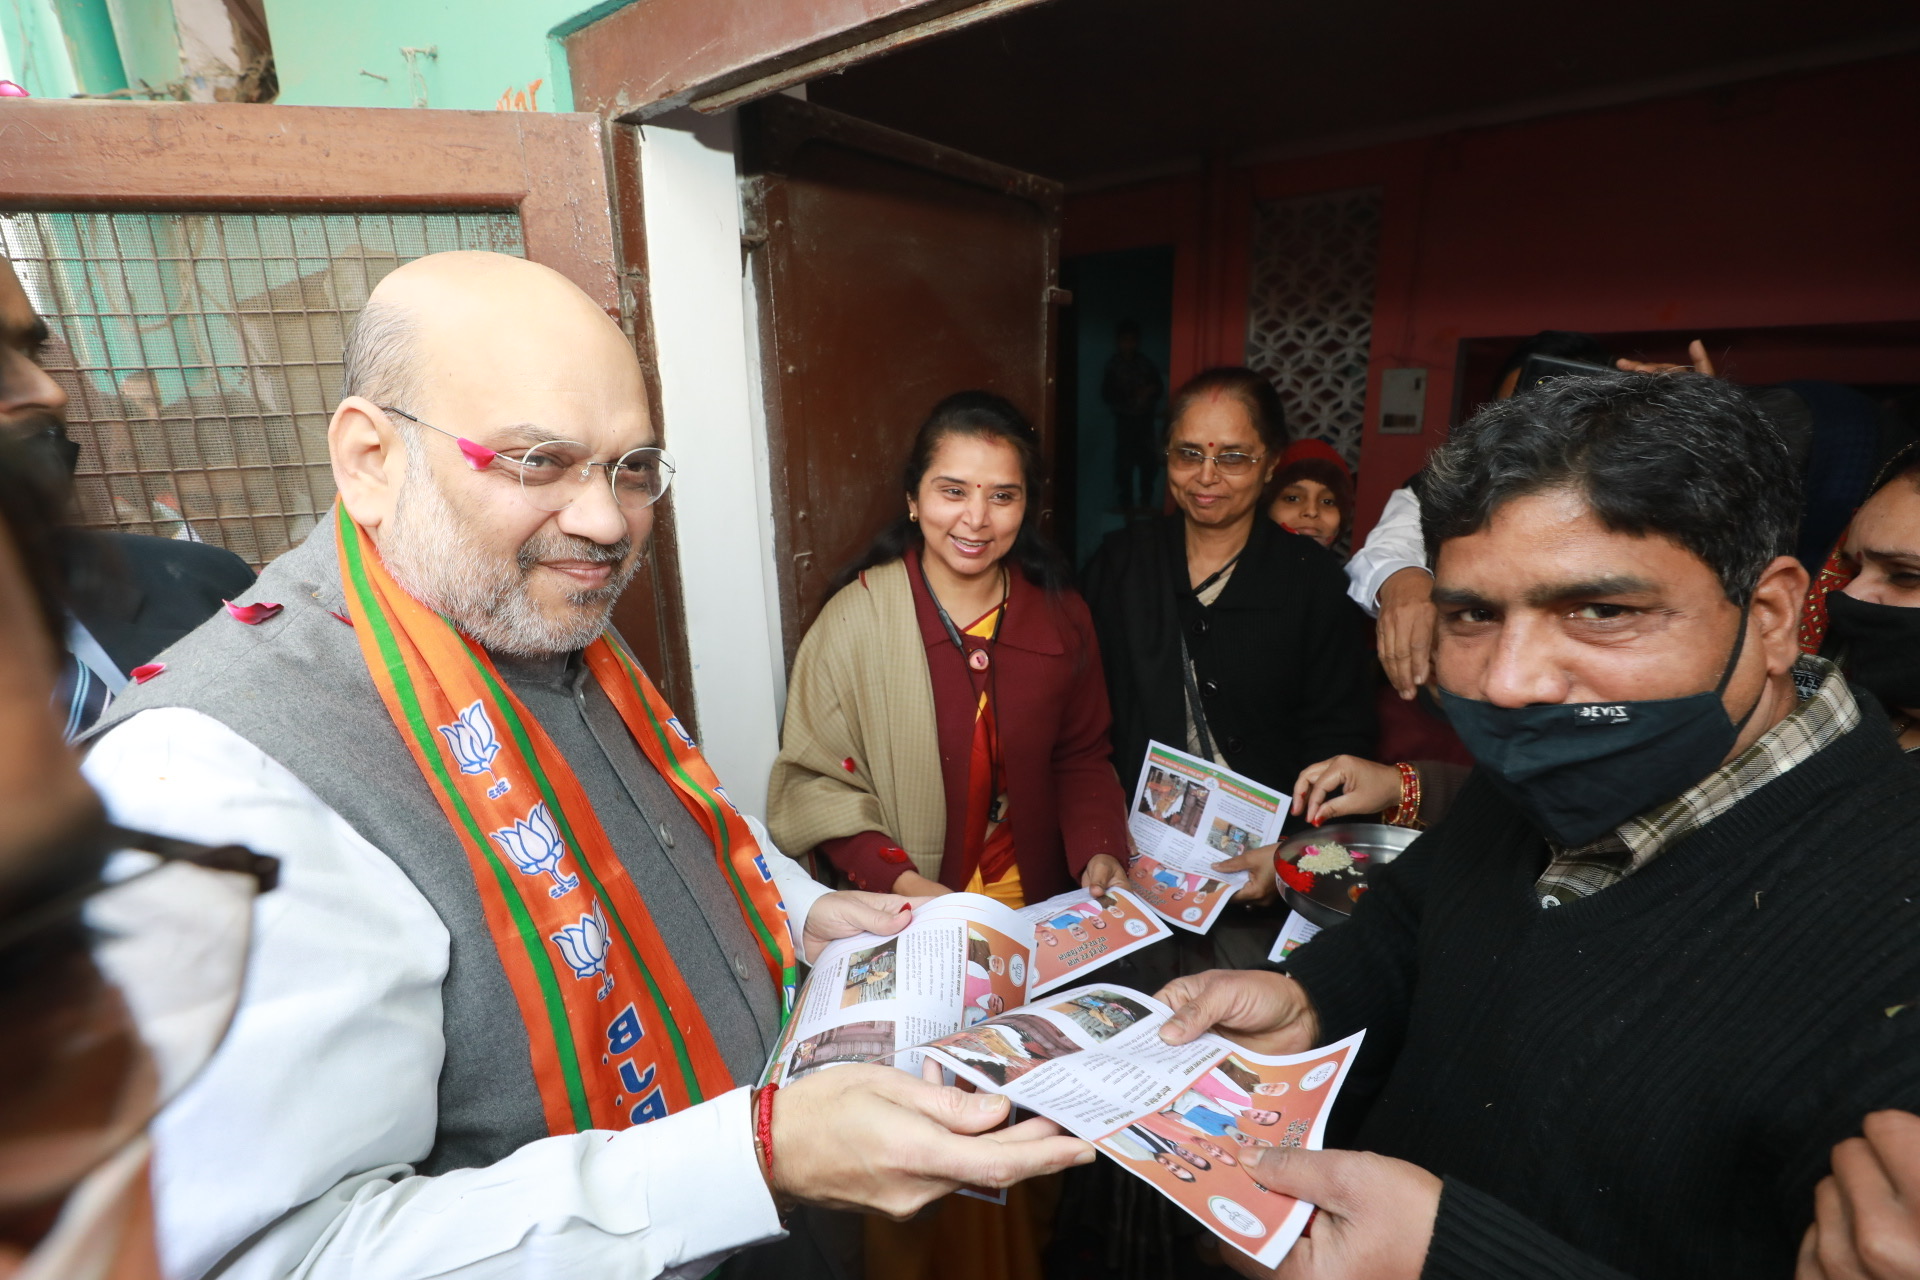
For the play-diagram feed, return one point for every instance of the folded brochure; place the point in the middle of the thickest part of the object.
(1188, 814)
(964, 958)
(1183, 1117)
(965, 985)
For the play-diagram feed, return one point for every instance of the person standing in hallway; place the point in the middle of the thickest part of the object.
(1131, 388)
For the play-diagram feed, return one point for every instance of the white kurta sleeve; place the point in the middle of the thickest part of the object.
(1394, 544)
(291, 1154)
(798, 890)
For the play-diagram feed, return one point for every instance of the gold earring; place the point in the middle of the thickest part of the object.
(914, 516)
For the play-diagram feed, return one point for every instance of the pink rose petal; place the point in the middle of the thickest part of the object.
(252, 614)
(478, 456)
(146, 671)
(8, 89)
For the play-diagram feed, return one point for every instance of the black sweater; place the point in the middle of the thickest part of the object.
(1283, 660)
(1649, 1081)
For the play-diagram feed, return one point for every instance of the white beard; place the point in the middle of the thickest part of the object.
(437, 560)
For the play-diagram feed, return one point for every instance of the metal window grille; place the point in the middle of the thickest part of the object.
(201, 355)
(1310, 318)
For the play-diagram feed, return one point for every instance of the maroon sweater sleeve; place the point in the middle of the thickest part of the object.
(873, 860)
(1091, 805)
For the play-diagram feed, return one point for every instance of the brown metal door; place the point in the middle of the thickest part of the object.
(200, 263)
(891, 272)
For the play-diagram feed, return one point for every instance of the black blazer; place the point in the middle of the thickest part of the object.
(1283, 659)
(138, 594)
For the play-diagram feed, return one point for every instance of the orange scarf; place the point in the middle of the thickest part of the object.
(616, 1036)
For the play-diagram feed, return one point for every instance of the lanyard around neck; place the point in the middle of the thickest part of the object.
(953, 632)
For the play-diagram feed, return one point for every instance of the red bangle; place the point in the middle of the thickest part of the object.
(763, 1130)
(1407, 812)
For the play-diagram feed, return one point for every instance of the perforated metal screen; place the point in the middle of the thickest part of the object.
(201, 354)
(1310, 313)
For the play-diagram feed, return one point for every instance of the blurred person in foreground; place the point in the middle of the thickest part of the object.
(125, 596)
(1618, 1008)
(113, 988)
(527, 953)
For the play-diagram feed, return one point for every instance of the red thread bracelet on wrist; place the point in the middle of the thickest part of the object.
(763, 1130)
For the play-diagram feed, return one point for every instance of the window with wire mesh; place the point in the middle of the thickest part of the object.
(200, 353)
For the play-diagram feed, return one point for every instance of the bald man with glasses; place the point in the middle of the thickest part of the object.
(527, 957)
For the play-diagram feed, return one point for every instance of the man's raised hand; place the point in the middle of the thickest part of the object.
(1405, 633)
(874, 1138)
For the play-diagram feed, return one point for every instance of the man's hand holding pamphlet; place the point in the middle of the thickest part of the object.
(964, 988)
(1187, 815)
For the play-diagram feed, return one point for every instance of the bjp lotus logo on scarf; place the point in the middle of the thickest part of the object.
(536, 848)
(471, 739)
(584, 947)
(680, 730)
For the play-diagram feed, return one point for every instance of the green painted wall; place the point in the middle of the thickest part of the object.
(149, 42)
(35, 50)
(92, 46)
(484, 50)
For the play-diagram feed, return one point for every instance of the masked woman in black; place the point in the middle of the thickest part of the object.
(1863, 610)
(1220, 632)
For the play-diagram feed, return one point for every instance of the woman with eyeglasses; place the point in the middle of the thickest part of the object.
(1221, 632)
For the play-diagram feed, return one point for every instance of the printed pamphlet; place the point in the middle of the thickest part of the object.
(1297, 931)
(1183, 1117)
(1188, 814)
(1074, 934)
(964, 958)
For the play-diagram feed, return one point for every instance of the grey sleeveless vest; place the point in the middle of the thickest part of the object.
(297, 688)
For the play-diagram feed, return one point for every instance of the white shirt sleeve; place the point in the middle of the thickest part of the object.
(798, 890)
(1394, 544)
(293, 1148)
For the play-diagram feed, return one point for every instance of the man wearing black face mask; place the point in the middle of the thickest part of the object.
(1623, 1000)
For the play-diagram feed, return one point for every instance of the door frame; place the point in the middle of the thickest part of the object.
(773, 131)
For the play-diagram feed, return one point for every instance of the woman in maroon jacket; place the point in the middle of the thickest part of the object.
(947, 719)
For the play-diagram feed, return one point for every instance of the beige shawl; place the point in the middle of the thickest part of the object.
(860, 692)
